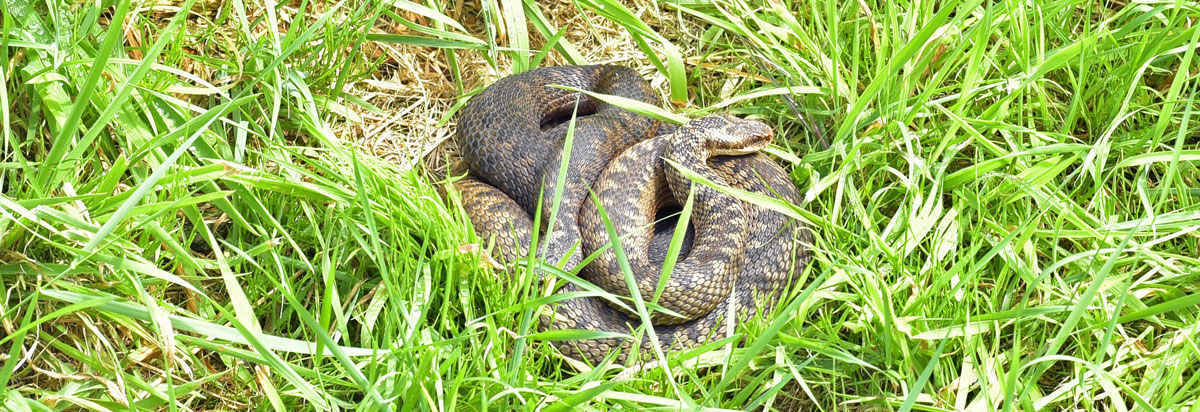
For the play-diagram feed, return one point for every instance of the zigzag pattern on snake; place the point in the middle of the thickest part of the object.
(511, 137)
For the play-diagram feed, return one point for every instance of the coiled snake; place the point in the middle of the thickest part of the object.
(511, 136)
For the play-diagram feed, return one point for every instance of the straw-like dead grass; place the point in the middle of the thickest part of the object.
(415, 88)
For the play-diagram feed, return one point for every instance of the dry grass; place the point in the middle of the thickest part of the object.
(414, 85)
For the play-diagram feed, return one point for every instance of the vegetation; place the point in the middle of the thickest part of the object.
(196, 212)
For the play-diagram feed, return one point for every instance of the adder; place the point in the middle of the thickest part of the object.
(511, 137)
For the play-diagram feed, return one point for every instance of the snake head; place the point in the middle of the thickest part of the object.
(728, 135)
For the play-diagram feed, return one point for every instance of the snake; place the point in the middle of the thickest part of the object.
(734, 261)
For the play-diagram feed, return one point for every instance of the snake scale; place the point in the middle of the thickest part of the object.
(511, 137)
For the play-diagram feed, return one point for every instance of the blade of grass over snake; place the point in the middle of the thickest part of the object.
(756, 199)
(576, 334)
(534, 247)
(636, 106)
(530, 265)
(561, 182)
(638, 302)
(675, 246)
(587, 287)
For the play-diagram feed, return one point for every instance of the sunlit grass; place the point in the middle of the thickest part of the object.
(1004, 197)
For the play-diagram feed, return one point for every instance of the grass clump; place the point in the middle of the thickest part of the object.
(196, 212)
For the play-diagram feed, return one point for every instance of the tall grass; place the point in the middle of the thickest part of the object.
(1004, 198)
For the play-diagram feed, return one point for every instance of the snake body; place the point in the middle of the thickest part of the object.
(511, 137)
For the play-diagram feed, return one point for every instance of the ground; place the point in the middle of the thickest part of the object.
(212, 205)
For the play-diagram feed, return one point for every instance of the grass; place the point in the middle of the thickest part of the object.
(195, 213)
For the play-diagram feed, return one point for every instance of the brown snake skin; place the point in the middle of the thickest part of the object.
(511, 137)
